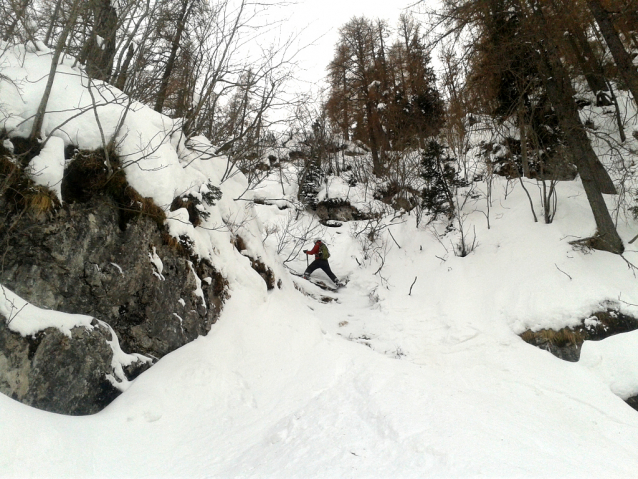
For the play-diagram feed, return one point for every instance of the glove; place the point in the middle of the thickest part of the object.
(305, 251)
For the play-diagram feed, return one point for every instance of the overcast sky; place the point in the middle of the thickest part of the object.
(318, 22)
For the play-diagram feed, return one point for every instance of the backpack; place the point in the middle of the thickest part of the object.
(323, 251)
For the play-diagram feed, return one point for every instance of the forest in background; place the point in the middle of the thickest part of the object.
(554, 82)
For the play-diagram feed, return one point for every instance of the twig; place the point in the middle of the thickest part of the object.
(13, 306)
(99, 126)
(438, 238)
(563, 272)
(382, 264)
(395, 241)
(531, 203)
(410, 293)
(630, 265)
(625, 302)
(474, 244)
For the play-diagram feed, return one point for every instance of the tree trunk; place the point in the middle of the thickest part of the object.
(522, 126)
(619, 123)
(181, 25)
(56, 12)
(561, 95)
(39, 116)
(346, 117)
(377, 166)
(119, 76)
(99, 59)
(123, 75)
(624, 63)
(587, 63)
(585, 56)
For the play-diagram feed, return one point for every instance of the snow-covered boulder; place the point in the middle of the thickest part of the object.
(45, 371)
(63, 363)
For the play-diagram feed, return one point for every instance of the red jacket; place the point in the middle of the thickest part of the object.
(315, 250)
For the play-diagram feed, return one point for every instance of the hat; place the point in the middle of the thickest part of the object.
(318, 240)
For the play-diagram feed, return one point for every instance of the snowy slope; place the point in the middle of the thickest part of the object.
(446, 388)
(379, 383)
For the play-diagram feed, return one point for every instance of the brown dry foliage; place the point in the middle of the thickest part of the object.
(559, 338)
(87, 176)
(20, 192)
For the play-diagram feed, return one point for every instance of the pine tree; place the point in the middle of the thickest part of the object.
(442, 179)
(384, 96)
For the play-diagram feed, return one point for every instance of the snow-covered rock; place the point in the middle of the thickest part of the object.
(63, 363)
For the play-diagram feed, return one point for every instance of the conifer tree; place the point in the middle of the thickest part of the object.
(382, 87)
(442, 179)
(624, 62)
(542, 71)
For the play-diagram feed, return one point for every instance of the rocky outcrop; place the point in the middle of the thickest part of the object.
(257, 264)
(338, 209)
(80, 261)
(57, 373)
(566, 343)
(82, 258)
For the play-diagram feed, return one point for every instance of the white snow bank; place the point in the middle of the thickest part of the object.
(8, 145)
(120, 360)
(47, 169)
(615, 361)
(24, 318)
(151, 162)
(179, 224)
(274, 395)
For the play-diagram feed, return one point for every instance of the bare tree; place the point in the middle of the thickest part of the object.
(15, 11)
(624, 63)
(187, 8)
(39, 116)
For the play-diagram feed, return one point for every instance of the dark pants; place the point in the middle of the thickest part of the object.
(321, 264)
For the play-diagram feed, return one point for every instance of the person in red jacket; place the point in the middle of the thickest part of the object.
(320, 250)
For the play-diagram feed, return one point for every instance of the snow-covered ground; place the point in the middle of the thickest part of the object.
(379, 382)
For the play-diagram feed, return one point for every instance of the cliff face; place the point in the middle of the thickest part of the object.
(81, 259)
(57, 373)
(115, 215)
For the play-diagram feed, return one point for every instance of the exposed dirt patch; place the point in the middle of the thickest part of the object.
(87, 176)
(20, 195)
(24, 150)
(566, 343)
